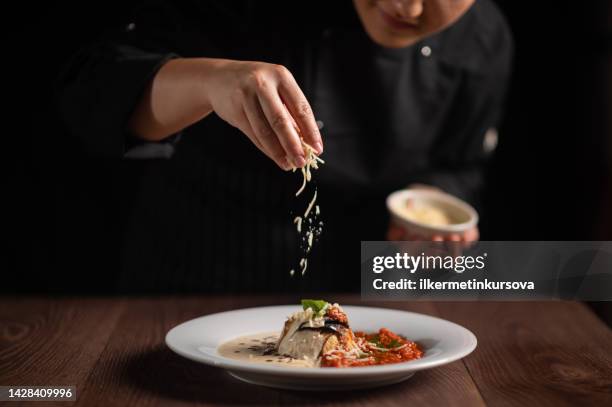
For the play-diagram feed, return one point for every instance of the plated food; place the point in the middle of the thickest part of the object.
(203, 340)
(319, 335)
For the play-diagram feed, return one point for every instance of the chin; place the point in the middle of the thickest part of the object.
(391, 41)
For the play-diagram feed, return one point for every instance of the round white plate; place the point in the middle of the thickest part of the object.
(442, 341)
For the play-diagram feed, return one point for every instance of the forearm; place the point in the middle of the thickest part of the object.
(174, 99)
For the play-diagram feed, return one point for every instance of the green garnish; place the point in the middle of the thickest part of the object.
(394, 344)
(375, 340)
(317, 306)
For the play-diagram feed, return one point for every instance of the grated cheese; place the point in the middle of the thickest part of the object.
(312, 163)
(298, 222)
(305, 180)
(314, 198)
(312, 160)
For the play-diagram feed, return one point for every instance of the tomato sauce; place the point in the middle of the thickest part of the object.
(381, 348)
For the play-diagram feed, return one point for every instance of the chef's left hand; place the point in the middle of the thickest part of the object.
(397, 232)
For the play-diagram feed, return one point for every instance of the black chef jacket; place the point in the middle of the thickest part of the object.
(211, 213)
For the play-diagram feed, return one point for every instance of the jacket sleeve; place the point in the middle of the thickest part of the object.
(101, 84)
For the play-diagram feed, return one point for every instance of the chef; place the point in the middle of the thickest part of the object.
(211, 101)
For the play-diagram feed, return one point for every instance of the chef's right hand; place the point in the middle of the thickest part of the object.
(265, 102)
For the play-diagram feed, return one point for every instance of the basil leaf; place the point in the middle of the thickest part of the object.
(316, 305)
(394, 344)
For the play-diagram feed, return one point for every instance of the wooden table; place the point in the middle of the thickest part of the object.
(112, 350)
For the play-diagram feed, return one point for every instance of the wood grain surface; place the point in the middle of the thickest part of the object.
(113, 351)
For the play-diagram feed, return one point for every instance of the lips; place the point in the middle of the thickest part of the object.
(396, 23)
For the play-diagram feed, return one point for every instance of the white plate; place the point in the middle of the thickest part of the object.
(442, 341)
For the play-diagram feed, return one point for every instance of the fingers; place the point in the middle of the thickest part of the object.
(453, 244)
(399, 233)
(281, 123)
(246, 128)
(396, 232)
(300, 110)
(262, 134)
(279, 116)
(472, 235)
(424, 186)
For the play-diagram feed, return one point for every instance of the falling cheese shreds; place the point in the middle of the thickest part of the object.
(305, 265)
(310, 205)
(303, 183)
(298, 222)
(312, 162)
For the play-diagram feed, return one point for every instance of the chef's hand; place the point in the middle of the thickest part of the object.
(262, 100)
(397, 232)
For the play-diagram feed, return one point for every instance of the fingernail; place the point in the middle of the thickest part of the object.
(319, 147)
(299, 161)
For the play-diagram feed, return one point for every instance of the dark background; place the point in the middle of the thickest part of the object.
(550, 179)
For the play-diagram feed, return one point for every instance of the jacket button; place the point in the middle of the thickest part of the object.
(426, 51)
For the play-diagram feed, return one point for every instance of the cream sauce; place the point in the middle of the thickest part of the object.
(253, 349)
